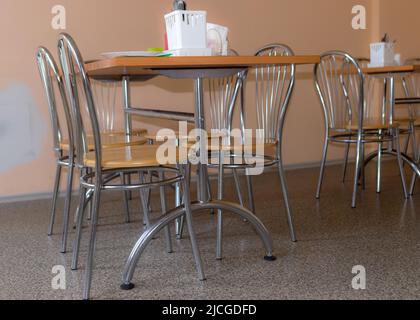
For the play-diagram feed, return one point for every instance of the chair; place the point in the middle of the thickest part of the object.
(274, 87)
(340, 84)
(412, 121)
(106, 164)
(62, 130)
(64, 139)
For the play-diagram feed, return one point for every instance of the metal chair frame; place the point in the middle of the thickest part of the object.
(50, 74)
(331, 85)
(93, 183)
(411, 89)
(274, 90)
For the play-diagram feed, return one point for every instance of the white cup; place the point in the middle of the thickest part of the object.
(398, 59)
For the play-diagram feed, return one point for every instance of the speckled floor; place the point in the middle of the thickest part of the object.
(382, 234)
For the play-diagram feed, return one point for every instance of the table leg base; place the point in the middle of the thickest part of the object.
(270, 258)
(127, 287)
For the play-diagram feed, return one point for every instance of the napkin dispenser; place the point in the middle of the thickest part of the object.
(217, 39)
(382, 54)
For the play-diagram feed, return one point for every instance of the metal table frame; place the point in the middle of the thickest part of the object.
(203, 203)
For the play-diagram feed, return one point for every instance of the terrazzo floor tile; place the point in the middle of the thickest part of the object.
(382, 234)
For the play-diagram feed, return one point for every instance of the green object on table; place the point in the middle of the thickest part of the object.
(155, 49)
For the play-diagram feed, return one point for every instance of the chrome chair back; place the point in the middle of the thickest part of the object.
(221, 92)
(339, 81)
(80, 94)
(53, 82)
(62, 134)
(105, 97)
(274, 87)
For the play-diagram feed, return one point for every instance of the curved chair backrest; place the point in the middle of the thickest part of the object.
(221, 91)
(372, 86)
(339, 81)
(80, 95)
(105, 96)
(51, 79)
(274, 88)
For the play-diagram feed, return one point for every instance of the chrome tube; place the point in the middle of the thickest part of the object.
(92, 242)
(219, 232)
(200, 124)
(126, 104)
(67, 206)
(164, 209)
(148, 235)
(161, 114)
(54, 200)
(79, 222)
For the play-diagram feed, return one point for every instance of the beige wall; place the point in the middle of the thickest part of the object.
(308, 26)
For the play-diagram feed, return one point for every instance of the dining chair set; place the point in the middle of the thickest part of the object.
(85, 139)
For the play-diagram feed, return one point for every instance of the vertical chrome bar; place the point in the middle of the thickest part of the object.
(67, 206)
(54, 201)
(126, 104)
(164, 208)
(126, 199)
(200, 124)
(219, 249)
(400, 162)
(378, 165)
(391, 100)
(79, 222)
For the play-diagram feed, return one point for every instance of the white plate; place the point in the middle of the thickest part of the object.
(110, 55)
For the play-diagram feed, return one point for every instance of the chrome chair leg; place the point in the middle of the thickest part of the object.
(179, 222)
(322, 172)
(407, 141)
(285, 191)
(346, 161)
(379, 168)
(414, 176)
(67, 207)
(164, 207)
(238, 186)
(400, 162)
(143, 199)
(414, 141)
(149, 192)
(79, 224)
(362, 168)
(190, 225)
(91, 251)
(357, 171)
(250, 193)
(54, 200)
(219, 246)
(126, 199)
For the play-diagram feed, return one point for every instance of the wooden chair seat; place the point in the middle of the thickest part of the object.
(126, 157)
(113, 140)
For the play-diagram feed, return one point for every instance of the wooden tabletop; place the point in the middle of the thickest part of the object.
(144, 66)
(392, 69)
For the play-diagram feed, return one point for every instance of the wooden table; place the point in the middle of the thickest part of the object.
(390, 74)
(128, 69)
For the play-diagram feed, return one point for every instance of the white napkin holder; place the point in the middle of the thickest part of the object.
(382, 54)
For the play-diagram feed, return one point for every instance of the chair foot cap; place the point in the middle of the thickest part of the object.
(127, 287)
(270, 258)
